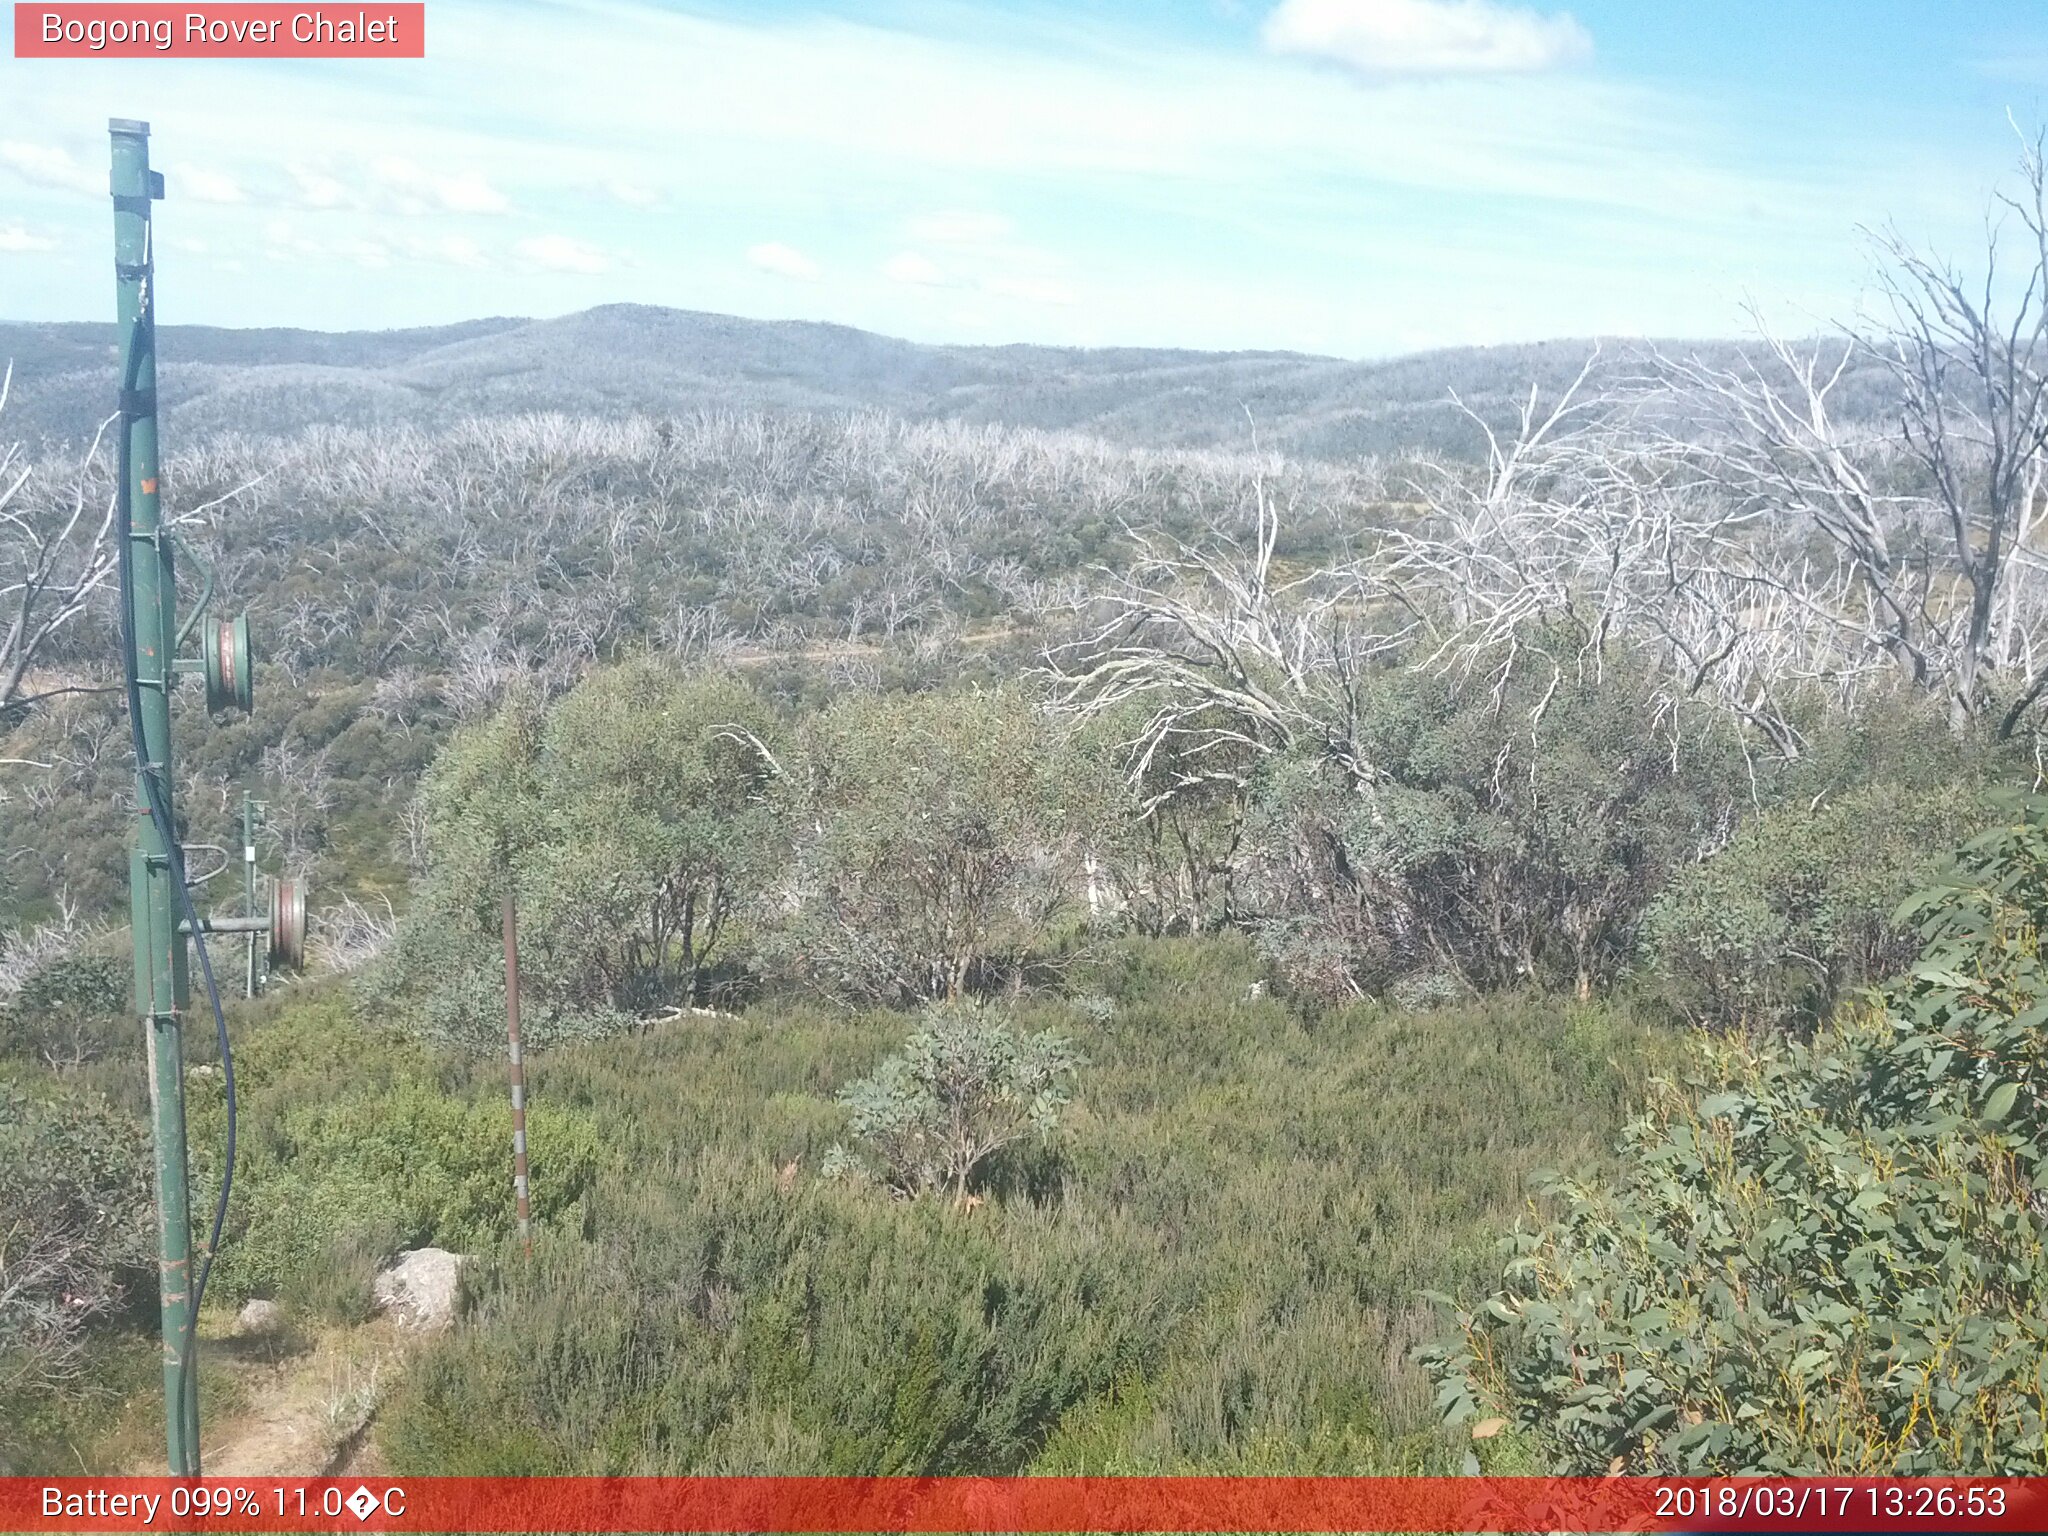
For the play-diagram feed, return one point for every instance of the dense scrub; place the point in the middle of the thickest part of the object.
(1824, 1257)
(1378, 1018)
(1216, 1265)
(400, 582)
(355, 1144)
(1215, 1262)
(674, 836)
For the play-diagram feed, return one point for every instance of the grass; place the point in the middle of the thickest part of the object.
(1217, 1267)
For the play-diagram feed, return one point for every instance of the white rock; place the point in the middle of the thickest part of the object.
(421, 1287)
(259, 1319)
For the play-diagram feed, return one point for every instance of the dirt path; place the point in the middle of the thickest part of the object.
(308, 1413)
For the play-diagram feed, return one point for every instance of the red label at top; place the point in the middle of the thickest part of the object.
(240, 31)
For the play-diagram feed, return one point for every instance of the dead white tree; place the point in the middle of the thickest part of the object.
(1531, 539)
(1932, 517)
(1594, 521)
(55, 554)
(351, 934)
(301, 793)
(1227, 659)
(1968, 359)
(1590, 522)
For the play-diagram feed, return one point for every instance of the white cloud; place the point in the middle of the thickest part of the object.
(364, 253)
(204, 186)
(15, 240)
(560, 253)
(910, 267)
(376, 249)
(1427, 37)
(417, 189)
(316, 189)
(960, 228)
(453, 250)
(45, 165)
(783, 262)
(470, 193)
(459, 251)
(633, 195)
(1033, 290)
(283, 242)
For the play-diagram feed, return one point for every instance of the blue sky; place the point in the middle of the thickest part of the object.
(1358, 177)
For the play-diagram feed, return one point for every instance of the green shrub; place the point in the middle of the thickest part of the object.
(935, 837)
(75, 1229)
(70, 1011)
(730, 1326)
(631, 818)
(1511, 835)
(1825, 1257)
(965, 1085)
(1798, 909)
(352, 1147)
(1216, 1269)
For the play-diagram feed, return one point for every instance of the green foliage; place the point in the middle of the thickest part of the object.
(729, 1327)
(1799, 908)
(335, 757)
(1216, 1268)
(965, 1085)
(1512, 836)
(70, 1011)
(1169, 838)
(74, 1229)
(935, 838)
(1825, 1257)
(656, 833)
(1572, 833)
(352, 1148)
(631, 819)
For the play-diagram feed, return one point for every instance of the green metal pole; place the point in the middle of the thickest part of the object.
(160, 988)
(249, 879)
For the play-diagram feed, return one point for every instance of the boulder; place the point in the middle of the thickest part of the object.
(259, 1319)
(420, 1288)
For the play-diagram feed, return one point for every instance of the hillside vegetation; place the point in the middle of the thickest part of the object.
(624, 359)
(1050, 952)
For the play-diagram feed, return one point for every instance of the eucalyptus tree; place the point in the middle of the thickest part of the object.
(632, 820)
(934, 837)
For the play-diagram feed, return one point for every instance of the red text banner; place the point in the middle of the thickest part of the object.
(234, 31)
(844, 1504)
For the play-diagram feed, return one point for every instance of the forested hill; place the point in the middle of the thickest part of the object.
(633, 358)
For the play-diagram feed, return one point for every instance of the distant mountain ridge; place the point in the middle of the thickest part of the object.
(624, 358)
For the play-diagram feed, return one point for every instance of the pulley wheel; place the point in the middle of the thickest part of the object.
(287, 925)
(228, 667)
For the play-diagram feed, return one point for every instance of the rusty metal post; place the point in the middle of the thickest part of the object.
(519, 1185)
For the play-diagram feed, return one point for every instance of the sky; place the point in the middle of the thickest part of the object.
(1349, 177)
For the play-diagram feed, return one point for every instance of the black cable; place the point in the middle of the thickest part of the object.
(149, 775)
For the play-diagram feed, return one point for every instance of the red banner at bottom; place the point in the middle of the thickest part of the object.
(818, 1504)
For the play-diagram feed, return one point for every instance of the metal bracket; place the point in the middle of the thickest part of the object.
(129, 202)
(205, 592)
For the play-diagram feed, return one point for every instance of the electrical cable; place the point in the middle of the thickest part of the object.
(149, 775)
